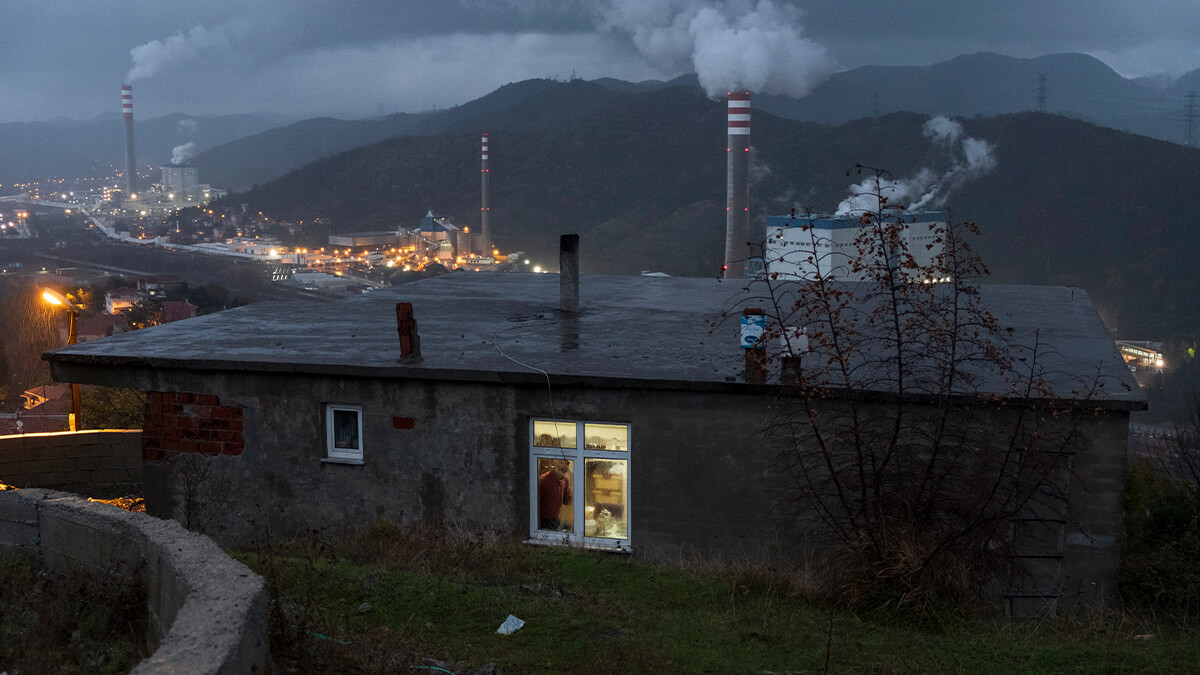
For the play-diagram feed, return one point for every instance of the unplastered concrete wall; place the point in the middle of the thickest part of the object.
(703, 480)
(430, 453)
(208, 612)
(72, 459)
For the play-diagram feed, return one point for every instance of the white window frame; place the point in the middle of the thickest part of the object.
(332, 452)
(578, 455)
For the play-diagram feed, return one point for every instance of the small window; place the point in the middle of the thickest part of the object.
(343, 432)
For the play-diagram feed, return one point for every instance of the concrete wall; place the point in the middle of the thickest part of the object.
(71, 459)
(208, 613)
(701, 479)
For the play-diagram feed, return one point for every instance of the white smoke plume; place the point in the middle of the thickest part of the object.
(182, 153)
(927, 189)
(735, 45)
(942, 130)
(187, 126)
(156, 55)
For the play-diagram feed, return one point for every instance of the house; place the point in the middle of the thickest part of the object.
(45, 408)
(121, 299)
(95, 327)
(159, 285)
(178, 310)
(46, 397)
(636, 415)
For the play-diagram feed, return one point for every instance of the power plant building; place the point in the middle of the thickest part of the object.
(182, 180)
(802, 247)
(364, 240)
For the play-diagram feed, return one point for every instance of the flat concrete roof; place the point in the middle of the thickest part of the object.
(632, 331)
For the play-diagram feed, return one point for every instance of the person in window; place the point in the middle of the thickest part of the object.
(554, 492)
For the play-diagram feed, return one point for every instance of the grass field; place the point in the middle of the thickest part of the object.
(394, 600)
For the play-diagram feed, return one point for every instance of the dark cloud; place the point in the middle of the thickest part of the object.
(68, 57)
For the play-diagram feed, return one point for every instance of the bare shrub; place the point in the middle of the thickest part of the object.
(917, 431)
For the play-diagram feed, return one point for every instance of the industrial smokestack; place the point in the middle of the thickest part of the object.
(130, 162)
(737, 190)
(485, 211)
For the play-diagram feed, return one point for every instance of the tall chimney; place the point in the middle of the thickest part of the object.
(568, 273)
(130, 162)
(485, 211)
(737, 189)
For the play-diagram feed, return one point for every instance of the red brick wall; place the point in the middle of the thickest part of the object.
(182, 422)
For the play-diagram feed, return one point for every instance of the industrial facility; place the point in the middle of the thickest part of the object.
(436, 239)
(801, 247)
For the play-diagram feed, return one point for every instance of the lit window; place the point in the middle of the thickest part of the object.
(343, 433)
(579, 483)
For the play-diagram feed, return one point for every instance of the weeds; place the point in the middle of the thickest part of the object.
(400, 599)
(71, 622)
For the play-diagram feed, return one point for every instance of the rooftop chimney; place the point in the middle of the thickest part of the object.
(130, 163)
(406, 326)
(485, 211)
(737, 191)
(568, 273)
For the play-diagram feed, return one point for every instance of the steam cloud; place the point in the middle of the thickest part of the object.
(731, 45)
(182, 153)
(968, 160)
(187, 126)
(157, 55)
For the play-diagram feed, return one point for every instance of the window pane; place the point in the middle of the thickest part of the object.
(547, 434)
(345, 429)
(606, 436)
(555, 498)
(606, 504)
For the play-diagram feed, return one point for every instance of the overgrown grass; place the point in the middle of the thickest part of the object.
(395, 599)
(68, 622)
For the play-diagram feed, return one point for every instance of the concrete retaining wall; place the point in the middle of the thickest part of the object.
(208, 612)
(72, 458)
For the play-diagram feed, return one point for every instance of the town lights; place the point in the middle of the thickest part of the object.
(59, 300)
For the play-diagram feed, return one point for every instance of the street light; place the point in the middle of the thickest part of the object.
(58, 299)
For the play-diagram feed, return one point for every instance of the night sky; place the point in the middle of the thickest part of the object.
(68, 58)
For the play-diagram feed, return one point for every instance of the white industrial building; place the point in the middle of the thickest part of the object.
(804, 246)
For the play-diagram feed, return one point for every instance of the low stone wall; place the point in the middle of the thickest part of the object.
(208, 612)
(72, 458)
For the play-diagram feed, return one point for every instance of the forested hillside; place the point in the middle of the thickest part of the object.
(642, 177)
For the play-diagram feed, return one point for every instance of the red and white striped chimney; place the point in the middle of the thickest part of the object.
(130, 163)
(485, 211)
(737, 189)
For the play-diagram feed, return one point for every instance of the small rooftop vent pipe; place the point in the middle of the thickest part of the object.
(568, 273)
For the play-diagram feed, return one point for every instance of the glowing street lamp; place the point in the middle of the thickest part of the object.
(58, 299)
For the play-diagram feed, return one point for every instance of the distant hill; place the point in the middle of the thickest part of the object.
(642, 177)
(1077, 86)
(70, 148)
(990, 84)
(240, 164)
